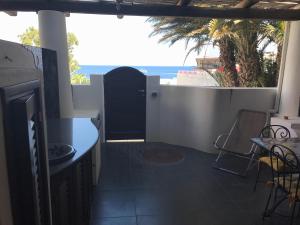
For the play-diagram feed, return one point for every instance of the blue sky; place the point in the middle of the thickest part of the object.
(107, 40)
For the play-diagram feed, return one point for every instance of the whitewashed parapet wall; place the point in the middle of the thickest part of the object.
(184, 115)
(90, 98)
(195, 116)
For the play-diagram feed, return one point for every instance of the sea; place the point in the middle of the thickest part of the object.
(165, 72)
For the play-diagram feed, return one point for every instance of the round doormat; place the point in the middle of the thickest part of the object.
(162, 155)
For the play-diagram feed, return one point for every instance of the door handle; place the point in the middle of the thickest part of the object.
(141, 91)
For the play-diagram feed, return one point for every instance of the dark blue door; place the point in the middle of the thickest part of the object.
(125, 104)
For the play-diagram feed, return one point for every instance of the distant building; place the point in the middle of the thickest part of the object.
(270, 55)
(196, 77)
(208, 63)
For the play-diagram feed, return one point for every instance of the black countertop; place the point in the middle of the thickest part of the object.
(77, 132)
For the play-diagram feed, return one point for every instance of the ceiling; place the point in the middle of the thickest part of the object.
(264, 9)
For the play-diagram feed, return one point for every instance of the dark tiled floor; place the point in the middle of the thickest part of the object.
(135, 192)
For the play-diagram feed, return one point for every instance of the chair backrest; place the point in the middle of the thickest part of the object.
(275, 131)
(288, 175)
(248, 124)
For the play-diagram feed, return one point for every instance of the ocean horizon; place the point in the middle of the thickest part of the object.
(165, 72)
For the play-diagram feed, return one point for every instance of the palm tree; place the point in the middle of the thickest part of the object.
(197, 31)
(246, 36)
(272, 32)
(275, 32)
(219, 33)
(238, 40)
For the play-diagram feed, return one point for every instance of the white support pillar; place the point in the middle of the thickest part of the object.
(53, 35)
(290, 93)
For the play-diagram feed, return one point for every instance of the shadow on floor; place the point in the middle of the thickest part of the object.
(133, 191)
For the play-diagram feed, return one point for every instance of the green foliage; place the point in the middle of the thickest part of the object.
(275, 31)
(31, 37)
(269, 75)
(249, 37)
(219, 77)
(80, 79)
(72, 42)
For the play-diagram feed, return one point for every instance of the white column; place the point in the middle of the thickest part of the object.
(290, 94)
(53, 35)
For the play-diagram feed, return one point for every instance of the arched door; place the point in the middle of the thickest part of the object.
(125, 104)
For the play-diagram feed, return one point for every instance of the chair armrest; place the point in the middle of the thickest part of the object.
(219, 142)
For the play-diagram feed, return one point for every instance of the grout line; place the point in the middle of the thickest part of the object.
(135, 208)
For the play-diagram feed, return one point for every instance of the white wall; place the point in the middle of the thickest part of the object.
(182, 115)
(88, 99)
(152, 109)
(195, 116)
(290, 93)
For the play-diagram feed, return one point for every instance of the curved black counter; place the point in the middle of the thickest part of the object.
(77, 132)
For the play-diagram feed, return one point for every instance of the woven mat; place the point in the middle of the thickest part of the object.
(162, 156)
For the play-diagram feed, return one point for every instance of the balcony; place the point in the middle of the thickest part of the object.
(135, 189)
(185, 119)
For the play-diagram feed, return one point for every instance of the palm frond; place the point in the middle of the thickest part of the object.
(197, 47)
